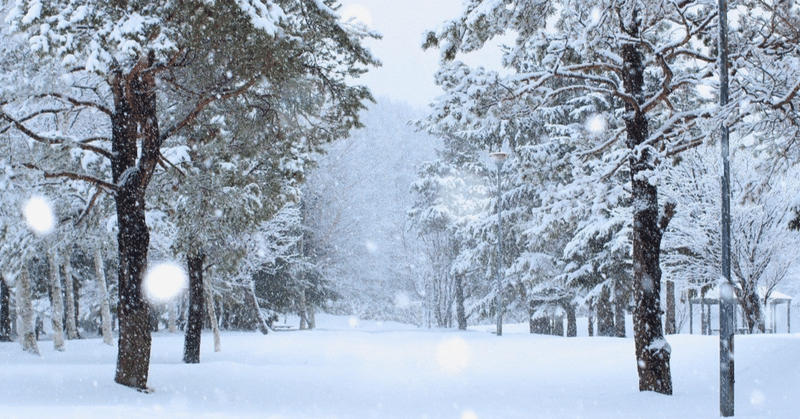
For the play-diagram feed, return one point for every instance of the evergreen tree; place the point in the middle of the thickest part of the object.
(618, 53)
(132, 45)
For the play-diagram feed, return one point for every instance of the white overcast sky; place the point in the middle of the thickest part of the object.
(407, 71)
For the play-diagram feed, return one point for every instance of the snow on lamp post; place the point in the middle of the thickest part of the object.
(499, 158)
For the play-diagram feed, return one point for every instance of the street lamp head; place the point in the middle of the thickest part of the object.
(499, 157)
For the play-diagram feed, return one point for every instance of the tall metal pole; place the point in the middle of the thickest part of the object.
(726, 302)
(499, 158)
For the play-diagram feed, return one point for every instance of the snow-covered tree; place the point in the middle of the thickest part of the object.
(643, 59)
(760, 210)
(139, 49)
(451, 194)
(765, 80)
(355, 205)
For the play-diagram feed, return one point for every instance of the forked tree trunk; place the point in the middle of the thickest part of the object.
(57, 300)
(652, 350)
(134, 121)
(751, 306)
(670, 324)
(25, 326)
(194, 323)
(212, 314)
(105, 309)
(5, 314)
(461, 314)
(69, 292)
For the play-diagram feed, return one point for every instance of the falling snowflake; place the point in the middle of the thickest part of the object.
(39, 215)
(164, 281)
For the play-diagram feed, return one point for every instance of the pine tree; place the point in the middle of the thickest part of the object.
(609, 51)
(131, 45)
(450, 195)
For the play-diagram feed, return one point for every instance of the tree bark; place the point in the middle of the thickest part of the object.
(134, 121)
(620, 301)
(702, 311)
(57, 301)
(751, 306)
(212, 314)
(105, 309)
(461, 314)
(652, 350)
(541, 325)
(172, 317)
(5, 314)
(25, 323)
(312, 321)
(605, 314)
(558, 325)
(251, 297)
(670, 326)
(69, 292)
(572, 321)
(303, 323)
(591, 318)
(194, 323)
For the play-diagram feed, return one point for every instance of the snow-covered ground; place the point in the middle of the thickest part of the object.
(356, 369)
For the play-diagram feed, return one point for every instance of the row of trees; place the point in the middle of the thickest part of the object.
(199, 119)
(609, 112)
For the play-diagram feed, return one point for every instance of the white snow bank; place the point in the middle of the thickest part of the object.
(339, 371)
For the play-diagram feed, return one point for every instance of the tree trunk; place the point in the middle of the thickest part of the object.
(154, 317)
(5, 314)
(251, 297)
(671, 326)
(312, 321)
(652, 350)
(69, 292)
(134, 121)
(751, 306)
(461, 313)
(702, 311)
(194, 323)
(303, 323)
(572, 321)
(105, 309)
(590, 318)
(172, 317)
(57, 300)
(541, 325)
(212, 314)
(25, 323)
(605, 314)
(558, 325)
(620, 301)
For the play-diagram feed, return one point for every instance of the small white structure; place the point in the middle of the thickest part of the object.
(712, 298)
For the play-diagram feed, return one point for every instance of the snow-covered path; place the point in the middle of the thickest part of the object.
(394, 371)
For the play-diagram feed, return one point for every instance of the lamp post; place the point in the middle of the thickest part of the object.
(726, 302)
(499, 158)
